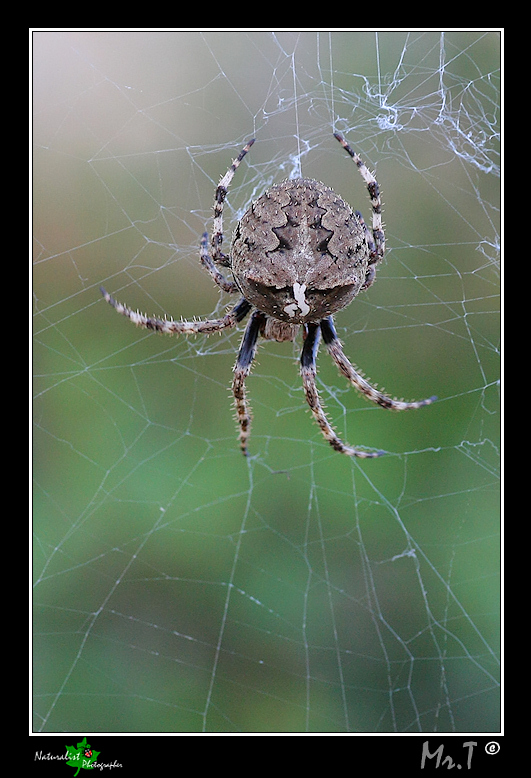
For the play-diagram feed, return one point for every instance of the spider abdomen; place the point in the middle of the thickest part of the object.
(300, 252)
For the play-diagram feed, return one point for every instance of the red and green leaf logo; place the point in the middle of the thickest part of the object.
(82, 757)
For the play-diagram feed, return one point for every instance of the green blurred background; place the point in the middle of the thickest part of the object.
(179, 587)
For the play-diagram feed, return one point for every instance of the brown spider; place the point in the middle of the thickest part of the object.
(298, 255)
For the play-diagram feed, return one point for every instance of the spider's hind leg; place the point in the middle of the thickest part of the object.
(308, 372)
(210, 267)
(221, 192)
(378, 243)
(217, 257)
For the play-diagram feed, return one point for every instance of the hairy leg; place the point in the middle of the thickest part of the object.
(210, 267)
(218, 258)
(219, 199)
(171, 327)
(335, 350)
(242, 368)
(374, 193)
(308, 372)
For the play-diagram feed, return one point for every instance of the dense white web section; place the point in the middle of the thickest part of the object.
(180, 587)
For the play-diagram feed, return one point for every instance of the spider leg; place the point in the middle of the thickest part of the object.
(308, 372)
(242, 368)
(215, 274)
(371, 269)
(374, 193)
(221, 193)
(171, 327)
(335, 350)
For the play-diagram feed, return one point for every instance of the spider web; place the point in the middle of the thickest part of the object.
(178, 586)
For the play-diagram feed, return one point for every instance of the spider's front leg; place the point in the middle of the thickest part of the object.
(242, 368)
(308, 372)
(335, 350)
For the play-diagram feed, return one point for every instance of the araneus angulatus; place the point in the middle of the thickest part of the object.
(298, 255)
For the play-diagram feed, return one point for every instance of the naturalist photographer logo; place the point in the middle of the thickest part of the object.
(80, 757)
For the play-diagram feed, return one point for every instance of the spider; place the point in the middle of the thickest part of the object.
(298, 255)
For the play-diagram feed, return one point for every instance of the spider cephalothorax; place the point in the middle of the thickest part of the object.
(298, 255)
